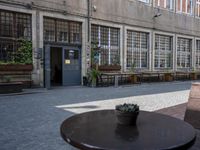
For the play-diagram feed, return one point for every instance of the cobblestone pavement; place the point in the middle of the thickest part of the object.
(31, 121)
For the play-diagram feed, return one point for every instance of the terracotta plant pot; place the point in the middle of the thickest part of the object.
(126, 118)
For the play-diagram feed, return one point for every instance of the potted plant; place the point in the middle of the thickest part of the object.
(193, 74)
(168, 76)
(127, 113)
(93, 75)
(133, 77)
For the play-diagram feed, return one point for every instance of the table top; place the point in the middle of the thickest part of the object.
(100, 130)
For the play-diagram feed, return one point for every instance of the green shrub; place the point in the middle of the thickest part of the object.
(23, 54)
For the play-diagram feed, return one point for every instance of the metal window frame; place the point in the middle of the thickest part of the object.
(12, 39)
(108, 24)
(171, 7)
(137, 50)
(72, 26)
(173, 48)
(197, 14)
(100, 30)
(126, 28)
(195, 55)
(166, 52)
(191, 53)
(186, 9)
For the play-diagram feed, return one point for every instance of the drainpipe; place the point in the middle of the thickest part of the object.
(88, 53)
(89, 14)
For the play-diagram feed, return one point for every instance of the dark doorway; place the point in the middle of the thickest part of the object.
(56, 66)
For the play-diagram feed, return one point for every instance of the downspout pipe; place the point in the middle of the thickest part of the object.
(89, 15)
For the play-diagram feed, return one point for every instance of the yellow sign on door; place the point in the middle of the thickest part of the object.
(67, 61)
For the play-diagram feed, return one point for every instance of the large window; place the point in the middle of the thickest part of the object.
(198, 54)
(13, 27)
(197, 8)
(184, 6)
(137, 49)
(107, 39)
(184, 53)
(57, 30)
(163, 52)
(167, 4)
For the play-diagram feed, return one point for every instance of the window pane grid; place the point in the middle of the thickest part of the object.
(49, 29)
(163, 52)
(13, 26)
(167, 4)
(107, 39)
(57, 30)
(75, 33)
(185, 6)
(184, 53)
(62, 31)
(197, 8)
(198, 54)
(137, 49)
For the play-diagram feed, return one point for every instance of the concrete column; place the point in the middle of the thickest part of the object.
(35, 73)
(125, 49)
(153, 51)
(174, 53)
(41, 46)
(151, 40)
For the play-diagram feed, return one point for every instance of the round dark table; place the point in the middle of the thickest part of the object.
(99, 130)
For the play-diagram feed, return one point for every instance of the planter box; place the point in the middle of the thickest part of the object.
(16, 67)
(13, 87)
(193, 76)
(109, 68)
(134, 79)
(168, 77)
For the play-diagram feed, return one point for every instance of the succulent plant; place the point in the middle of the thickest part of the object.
(130, 108)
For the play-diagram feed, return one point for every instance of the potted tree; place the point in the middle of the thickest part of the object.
(127, 113)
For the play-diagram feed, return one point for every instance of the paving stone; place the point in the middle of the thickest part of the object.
(32, 121)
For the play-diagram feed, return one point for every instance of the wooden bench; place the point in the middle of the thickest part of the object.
(25, 77)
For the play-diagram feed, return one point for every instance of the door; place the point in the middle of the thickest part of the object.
(71, 66)
(47, 67)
